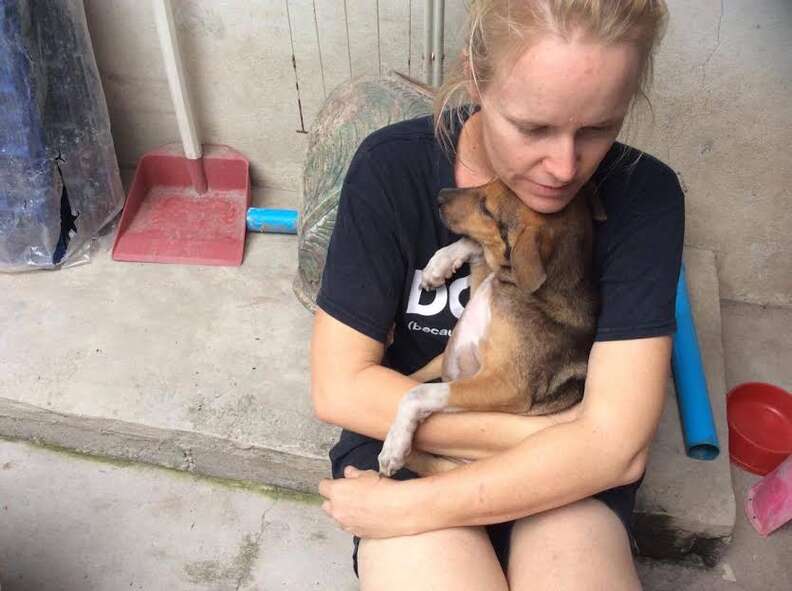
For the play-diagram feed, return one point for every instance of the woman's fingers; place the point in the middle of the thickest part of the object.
(325, 487)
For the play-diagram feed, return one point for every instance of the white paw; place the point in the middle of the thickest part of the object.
(417, 404)
(395, 450)
(440, 267)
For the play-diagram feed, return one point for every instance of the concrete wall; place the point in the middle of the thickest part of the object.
(723, 120)
(722, 104)
(243, 80)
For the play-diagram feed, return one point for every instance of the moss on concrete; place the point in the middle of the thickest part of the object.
(259, 488)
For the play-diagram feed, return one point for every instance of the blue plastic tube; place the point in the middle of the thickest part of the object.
(281, 221)
(698, 425)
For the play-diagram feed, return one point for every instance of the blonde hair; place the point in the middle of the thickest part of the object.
(498, 31)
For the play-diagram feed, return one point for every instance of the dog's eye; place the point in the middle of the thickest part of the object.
(484, 210)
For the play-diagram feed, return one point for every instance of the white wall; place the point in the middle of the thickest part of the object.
(722, 101)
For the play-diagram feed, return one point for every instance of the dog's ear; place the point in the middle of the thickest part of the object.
(527, 268)
(595, 203)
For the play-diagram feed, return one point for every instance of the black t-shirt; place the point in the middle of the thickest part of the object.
(388, 227)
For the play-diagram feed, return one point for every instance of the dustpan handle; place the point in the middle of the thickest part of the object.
(174, 69)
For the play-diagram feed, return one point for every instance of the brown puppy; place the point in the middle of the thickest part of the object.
(523, 341)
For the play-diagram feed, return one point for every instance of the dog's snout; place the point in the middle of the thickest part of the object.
(444, 195)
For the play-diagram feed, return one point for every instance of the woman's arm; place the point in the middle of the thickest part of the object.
(351, 389)
(605, 447)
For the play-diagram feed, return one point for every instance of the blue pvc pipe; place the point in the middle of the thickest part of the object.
(698, 425)
(281, 221)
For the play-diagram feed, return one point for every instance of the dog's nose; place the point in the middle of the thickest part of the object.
(444, 195)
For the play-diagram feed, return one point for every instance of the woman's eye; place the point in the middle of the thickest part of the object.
(534, 130)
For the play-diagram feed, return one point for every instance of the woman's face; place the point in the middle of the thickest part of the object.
(546, 124)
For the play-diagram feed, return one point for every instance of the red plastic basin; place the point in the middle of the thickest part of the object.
(760, 426)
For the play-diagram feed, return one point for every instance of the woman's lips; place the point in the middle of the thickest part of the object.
(549, 191)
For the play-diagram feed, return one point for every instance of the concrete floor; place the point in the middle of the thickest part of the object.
(68, 522)
(205, 369)
(757, 347)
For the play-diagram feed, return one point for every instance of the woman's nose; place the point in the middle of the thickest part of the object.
(561, 161)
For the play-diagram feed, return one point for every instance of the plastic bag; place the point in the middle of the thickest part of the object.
(351, 112)
(59, 178)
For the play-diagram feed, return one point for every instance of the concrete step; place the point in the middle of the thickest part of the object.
(115, 526)
(687, 506)
(136, 527)
(198, 368)
(205, 369)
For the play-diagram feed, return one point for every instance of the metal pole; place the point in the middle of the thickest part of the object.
(438, 42)
(428, 42)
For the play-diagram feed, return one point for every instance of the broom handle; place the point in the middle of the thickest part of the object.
(174, 69)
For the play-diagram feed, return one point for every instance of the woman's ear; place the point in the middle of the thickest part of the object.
(526, 261)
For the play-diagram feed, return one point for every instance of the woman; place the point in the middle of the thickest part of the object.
(547, 503)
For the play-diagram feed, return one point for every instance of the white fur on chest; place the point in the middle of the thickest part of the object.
(462, 358)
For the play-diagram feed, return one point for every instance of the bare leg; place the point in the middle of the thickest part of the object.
(461, 559)
(582, 546)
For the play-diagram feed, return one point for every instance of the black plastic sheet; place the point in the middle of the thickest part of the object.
(59, 179)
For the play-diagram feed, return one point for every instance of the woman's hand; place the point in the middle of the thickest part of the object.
(367, 504)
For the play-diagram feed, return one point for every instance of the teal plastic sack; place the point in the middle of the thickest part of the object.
(351, 112)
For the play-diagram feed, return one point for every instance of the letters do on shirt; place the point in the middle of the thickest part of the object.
(442, 296)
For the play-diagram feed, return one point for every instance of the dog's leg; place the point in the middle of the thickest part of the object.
(484, 391)
(417, 404)
(447, 260)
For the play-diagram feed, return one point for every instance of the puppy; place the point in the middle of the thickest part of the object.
(523, 340)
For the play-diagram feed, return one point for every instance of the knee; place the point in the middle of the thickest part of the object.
(461, 538)
(459, 558)
(580, 546)
(567, 520)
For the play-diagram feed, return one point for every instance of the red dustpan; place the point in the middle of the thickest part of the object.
(184, 206)
(166, 220)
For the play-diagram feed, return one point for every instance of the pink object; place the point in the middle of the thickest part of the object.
(165, 220)
(769, 501)
(188, 203)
